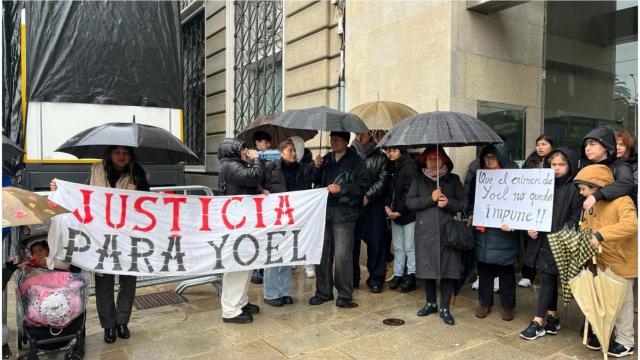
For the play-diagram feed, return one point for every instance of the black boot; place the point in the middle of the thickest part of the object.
(446, 316)
(123, 331)
(396, 282)
(110, 335)
(6, 351)
(409, 283)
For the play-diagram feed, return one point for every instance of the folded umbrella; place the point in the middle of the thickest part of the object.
(571, 249)
(153, 145)
(382, 115)
(600, 298)
(23, 207)
(278, 133)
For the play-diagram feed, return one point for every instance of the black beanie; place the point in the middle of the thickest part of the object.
(341, 134)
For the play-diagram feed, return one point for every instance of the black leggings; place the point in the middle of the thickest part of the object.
(548, 296)
(446, 289)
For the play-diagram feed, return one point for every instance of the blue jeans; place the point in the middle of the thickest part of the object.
(403, 248)
(277, 282)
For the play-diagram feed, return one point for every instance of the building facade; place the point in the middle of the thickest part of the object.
(525, 68)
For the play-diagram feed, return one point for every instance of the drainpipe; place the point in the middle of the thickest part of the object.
(340, 10)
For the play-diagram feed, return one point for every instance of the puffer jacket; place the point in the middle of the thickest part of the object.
(276, 179)
(377, 165)
(403, 171)
(567, 207)
(350, 173)
(238, 177)
(622, 173)
(492, 245)
(614, 222)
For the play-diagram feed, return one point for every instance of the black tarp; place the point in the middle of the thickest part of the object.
(105, 52)
(11, 119)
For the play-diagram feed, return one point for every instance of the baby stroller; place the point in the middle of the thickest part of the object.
(51, 304)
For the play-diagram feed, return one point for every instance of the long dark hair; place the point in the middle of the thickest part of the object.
(546, 138)
(132, 168)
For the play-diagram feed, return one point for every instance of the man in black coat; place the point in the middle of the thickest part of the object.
(370, 226)
(344, 174)
(241, 173)
(599, 147)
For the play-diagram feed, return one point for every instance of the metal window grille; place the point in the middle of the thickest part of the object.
(193, 85)
(257, 60)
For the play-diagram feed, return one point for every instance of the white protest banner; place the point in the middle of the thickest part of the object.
(144, 233)
(520, 198)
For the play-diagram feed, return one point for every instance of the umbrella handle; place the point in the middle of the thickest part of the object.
(320, 149)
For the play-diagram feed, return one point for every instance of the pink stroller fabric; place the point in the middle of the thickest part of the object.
(51, 298)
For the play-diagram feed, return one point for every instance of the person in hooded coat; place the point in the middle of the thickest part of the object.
(371, 222)
(241, 173)
(599, 147)
(435, 207)
(567, 206)
(614, 226)
(536, 160)
(496, 250)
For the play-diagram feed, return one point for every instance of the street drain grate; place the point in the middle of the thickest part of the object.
(149, 301)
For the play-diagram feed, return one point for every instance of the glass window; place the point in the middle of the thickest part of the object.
(591, 62)
(193, 85)
(508, 121)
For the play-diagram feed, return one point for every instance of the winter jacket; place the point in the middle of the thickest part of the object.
(622, 173)
(434, 259)
(533, 161)
(276, 179)
(238, 177)
(633, 165)
(351, 174)
(614, 222)
(7, 270)
(492, 245)
(377, 165)
(403, 171)
(567, 207)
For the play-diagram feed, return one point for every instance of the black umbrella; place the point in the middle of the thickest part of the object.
(278, 133)
(10, 149)
(320, 118)
(153, 145)
(444, 128)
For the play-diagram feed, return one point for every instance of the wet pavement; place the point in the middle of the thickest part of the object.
(194, 330)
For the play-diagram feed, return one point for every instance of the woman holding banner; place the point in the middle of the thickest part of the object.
(567, 203)
(496, 249)
(434, 207)
(118, 169)
(286, 174)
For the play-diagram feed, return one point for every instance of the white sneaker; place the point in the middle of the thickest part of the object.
(525, 283)
(476, 284)
(496, 285)
(310, 270)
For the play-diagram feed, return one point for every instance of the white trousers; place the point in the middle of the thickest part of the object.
(624, 322)
(234, 292)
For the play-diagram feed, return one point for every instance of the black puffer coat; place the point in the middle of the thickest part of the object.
(434, 259)
(567, 207)
(621, 170)
(633, 165)
(238, 177)
(276, 180)
(377, 165)
(403, 171)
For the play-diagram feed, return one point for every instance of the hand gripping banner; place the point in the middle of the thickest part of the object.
(143, 233)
